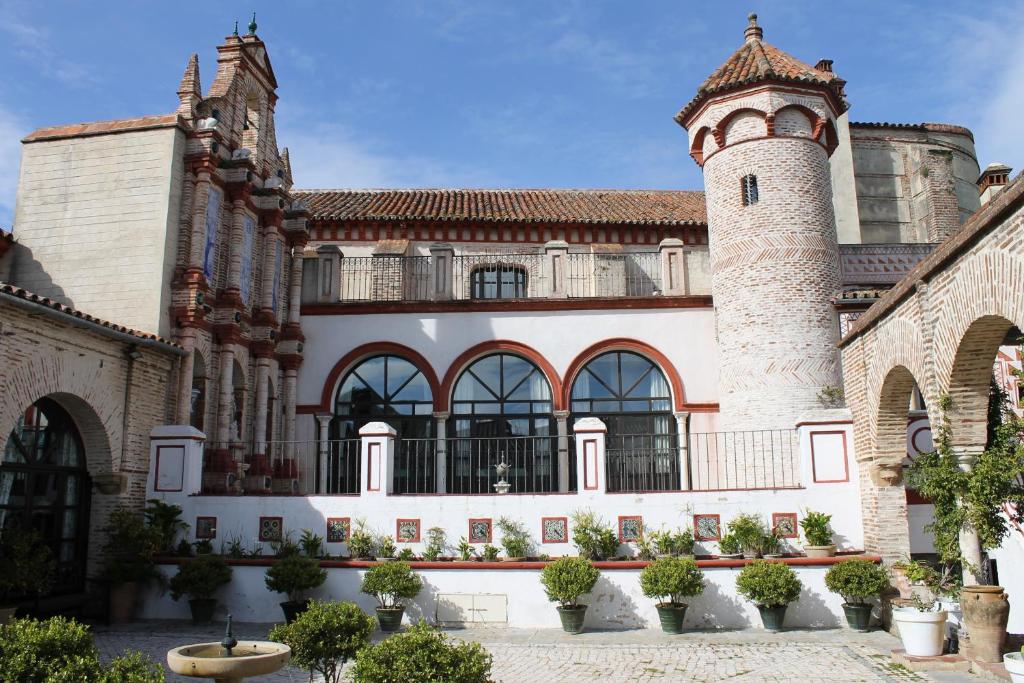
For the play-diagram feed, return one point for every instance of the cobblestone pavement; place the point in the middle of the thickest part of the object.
(543, 655)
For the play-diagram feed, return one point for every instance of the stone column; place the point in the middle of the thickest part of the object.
(441, 453)
(590, 456)
(197, 241)
(562, 426)
(259, 419)
(674, 280)
(970, 544)
(270, 242)
(683, 434)
(557, 253)
(295, 287)
(235, 241)
(226, 389)
(183, 409)
(442, 267)
(323, 446)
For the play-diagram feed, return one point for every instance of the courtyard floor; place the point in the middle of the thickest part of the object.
(547, 655)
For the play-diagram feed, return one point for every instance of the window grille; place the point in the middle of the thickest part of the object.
(749, 188)
(498, 282)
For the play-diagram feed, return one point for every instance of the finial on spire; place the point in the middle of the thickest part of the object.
(753, 32)
(252, 25)
(235, 34)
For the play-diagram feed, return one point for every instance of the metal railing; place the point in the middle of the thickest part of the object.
(385, 278)
(521, 276)
(642, 462)
(613, 275)
(532, 464)
(730, 461)
(283, 467)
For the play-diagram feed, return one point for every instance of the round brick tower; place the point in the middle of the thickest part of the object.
(762, 127)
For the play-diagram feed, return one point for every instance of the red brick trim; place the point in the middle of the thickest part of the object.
(500, 306)
(624, 344)
(441, 400)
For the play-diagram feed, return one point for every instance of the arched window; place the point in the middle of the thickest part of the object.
(44, 486)
(498, 282)
(501, 412)
(631, 395)
(383, 389)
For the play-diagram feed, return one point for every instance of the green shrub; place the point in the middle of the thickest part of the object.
(751, 533)
(768, 584)
(27, 566)
(165, 520)
(61, 650)
(131, 546)
(593, 537)
(816, 528)
(286, 547)
(671, 578)
(515, 539)
(200, 578)
(490, 553)
(389, 582)
(728, 544)
(385, 546)
(422, 655)
(435, 543)
(325, 636)
(361, 544)
(406, 554)
(856, 580)
(466, 551)
(311, 543)
(566, 579)
(294, 575)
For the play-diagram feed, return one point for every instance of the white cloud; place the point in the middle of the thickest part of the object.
(32, 44)
(12, 129)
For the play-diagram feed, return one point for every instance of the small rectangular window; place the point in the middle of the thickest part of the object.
(748, 185)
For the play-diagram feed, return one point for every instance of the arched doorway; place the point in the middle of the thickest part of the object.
(44, 486)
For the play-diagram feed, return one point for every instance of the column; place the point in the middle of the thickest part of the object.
(441, 453)
(197, 242)
(225, 401)
(235, 241)
(286, 476)
(323, 446)
(328, 287)
(270, 242)
(183, 409)
(562, 425)
(378, 455)
(590, 456)
(442, 267)
(674, 280)
(970, 544)
(557, 253)
(683, 434)
(295, 287)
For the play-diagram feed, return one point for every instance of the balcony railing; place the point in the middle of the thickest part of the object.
(385, 278)
(737, 461)
(613, 275)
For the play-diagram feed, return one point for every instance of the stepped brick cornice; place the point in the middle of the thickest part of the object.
(76, 130)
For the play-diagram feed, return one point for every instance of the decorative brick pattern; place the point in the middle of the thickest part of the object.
(554, 530)
(631, 528)
(271, 529)
(407, 531)
(338, 529)
(707, 527)
(480, 530)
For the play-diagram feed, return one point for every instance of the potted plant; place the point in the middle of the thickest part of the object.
(390, 583)
(750, 533)
(325, 636)
(490, 553)
(818, 534)
(466, 551)
(131, 547)
(386, 548)
(771, 586)
(435, 544)
(1014, 663)
(564, 581)
(199, 579)
(165, 520)
(857, 580)
(294, 575)
(922, 628)
(27, 569)
(664, 543)
(311, 543)
(593, 537)
(729, 547)
(361, 542)
(668, 579)
(515, 539)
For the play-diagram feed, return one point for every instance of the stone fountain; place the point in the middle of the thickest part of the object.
(230, 660)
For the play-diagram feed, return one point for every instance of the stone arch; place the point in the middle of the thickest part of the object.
(890, 421)
(443, 399)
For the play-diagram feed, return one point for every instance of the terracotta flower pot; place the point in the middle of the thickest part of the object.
(123, 598)
(986, 612)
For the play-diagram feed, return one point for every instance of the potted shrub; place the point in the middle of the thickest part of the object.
(325, 636)
(668, 580)
(422, 654)
(165, 520)
(131, 547)
(385, 548)
(515, 539)
(750, 533)
(294, 575)
(729, 547)
(490, 553)
(818, 534)
(922, 628)
(564, 581)
(199, 579)
(857, 580)
(435, 544)
(311, 544)
(27, 569)
(466, 551)
(666, 544)
(771, 586)
(593, 537)
(390, 583)
(1014, 663)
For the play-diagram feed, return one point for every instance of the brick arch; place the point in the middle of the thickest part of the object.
(697, 148)
(813, 118)
(890, 419)
(623, 344)
(723, 123)
(898, 341)
(361, 353)
(442, 400)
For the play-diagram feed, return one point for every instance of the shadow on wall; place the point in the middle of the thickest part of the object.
(425, 606)
(29, 273)
(811, 611)
(716, 609)
(610, 608)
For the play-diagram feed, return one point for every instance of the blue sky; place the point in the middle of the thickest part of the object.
(511, 93)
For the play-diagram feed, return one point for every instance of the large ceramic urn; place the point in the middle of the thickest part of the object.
(985, 612)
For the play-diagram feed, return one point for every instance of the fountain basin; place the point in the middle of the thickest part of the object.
(248, 658)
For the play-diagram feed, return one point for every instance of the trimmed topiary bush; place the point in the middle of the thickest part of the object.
(294, 575)
(200, 578)
(856, 580)
(671, 578)
(390, 582)
(566, 579)
(422, 655)
(325, 636)
(768, 584)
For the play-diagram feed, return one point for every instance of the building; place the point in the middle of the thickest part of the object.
(404, 357)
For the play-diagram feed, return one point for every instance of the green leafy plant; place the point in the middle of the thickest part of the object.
(466, 551)
(385, 546)
(515, 539)
(390, 582)
(816, 528)
(285, 547)
(435, 543)
(27, 566)
(311, 543)
(750, 532)
(406, 554)
(832, 397)
(61, 650)
(490, 553)
(200, 578)
(669, 579)
(669, 543)
(361, 542)
(593, 537)
(566, 579)
(184, 548)
(233, 547)
(422, 655)
(325, 636)
(166, 520)
(856, 580)
(728, 544)
(768, 584)
(203, 546)
(294, 575)
(131, 547)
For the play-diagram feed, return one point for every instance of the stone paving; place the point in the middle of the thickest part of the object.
(545, 655)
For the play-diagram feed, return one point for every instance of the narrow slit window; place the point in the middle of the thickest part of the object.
(748, 185)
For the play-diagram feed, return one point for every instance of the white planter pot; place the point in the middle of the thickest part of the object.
(922, 633)
(1014, 663)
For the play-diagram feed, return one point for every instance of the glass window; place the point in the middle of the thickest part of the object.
(498, 282)
(749, 187)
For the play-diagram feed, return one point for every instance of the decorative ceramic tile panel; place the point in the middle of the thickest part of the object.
(554, 530)
(707, 527)
(630, 528)
(407, 531)
(271, 529)
(785, 523)
(338, 529)
(206, 527)
(480, 530)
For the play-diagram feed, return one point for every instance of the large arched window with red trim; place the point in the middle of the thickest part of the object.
(631, 395)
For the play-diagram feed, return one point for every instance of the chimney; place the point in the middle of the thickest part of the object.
(824, 65)
(992, 180)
